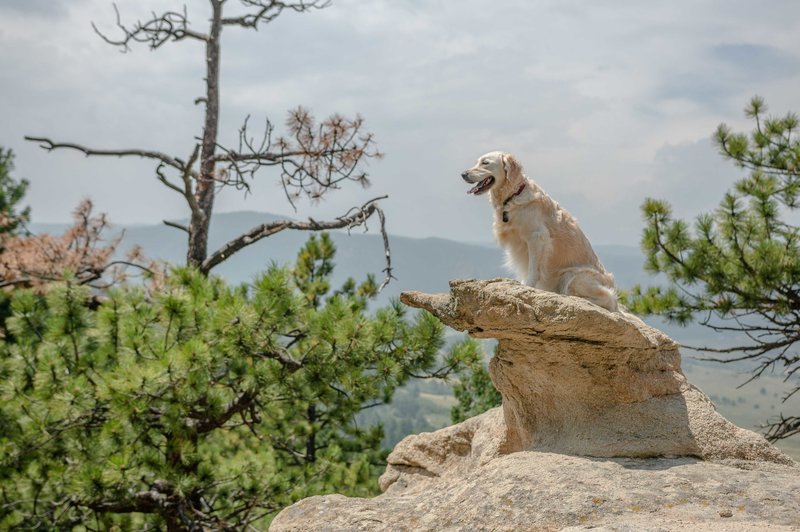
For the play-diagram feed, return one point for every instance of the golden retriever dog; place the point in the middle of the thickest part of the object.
(543, 242)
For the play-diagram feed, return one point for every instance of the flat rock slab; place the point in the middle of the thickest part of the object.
(532, 490)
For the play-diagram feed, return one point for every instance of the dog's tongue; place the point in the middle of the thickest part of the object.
(481, 186)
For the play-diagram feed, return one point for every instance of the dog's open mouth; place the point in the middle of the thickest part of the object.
(482, 187)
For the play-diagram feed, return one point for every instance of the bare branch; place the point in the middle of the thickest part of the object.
(186, 175)
(783, 428)
(130, 264)
(49, 145)
(265, 11)
(165, 181)
(159, 29)
(185, 168)
(386, 250)
(354, 218)
(176, 225)
(314, 158)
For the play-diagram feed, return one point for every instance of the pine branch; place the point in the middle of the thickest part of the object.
(240, 404)
(283, 357)
(146, 502)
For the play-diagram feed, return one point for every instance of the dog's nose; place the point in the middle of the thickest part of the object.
(464, 175)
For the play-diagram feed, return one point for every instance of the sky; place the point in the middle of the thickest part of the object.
(604, 103)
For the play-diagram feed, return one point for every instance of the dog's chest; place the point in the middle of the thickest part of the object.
(523, 222)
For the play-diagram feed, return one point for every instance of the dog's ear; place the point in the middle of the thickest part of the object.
(512, 167)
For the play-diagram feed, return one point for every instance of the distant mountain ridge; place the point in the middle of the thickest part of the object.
(418, 263)
(425, 264)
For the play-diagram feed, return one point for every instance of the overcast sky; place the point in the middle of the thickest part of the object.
(604, 103)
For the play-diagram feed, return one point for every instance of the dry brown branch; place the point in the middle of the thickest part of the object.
(82, 253)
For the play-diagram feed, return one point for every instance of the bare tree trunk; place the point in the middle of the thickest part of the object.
(314, 159)
(204, 193)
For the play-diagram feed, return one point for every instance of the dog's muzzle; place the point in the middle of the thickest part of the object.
(483, 185)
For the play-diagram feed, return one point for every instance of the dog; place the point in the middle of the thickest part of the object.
(542, 241)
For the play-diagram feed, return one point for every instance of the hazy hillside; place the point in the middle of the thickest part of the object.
(419, 264)
(428, 264)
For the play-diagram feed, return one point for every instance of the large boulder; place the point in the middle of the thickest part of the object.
(598, 427)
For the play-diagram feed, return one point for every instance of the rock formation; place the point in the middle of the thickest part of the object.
(598, 427)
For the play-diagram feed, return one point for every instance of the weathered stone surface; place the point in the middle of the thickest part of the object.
(533, 490)
(578, 379)
(598, 428)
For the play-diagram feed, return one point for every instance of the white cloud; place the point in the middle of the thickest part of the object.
(602, 102)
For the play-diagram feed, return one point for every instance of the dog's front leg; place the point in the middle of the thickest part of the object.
(536, 257)
(532, 276)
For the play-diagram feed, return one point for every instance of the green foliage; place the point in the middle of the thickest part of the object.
(203, 405)
(11, 193)
(421, 405)
(738, 268)
(474, 390)
(11, 219)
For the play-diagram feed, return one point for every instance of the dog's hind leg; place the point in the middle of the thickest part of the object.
(589, 285)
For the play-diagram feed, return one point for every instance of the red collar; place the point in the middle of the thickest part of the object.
(515, 194)
(512, 196)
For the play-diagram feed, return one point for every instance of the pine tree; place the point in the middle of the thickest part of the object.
(474, 390)
(11, 193)
(12, 220)
(737, 269)
(203, 405)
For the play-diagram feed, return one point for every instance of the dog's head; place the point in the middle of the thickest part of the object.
(493, 170)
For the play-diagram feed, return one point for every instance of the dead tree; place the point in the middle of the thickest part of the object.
(313, 158)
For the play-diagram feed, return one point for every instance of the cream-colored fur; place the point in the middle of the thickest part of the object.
(543, 242)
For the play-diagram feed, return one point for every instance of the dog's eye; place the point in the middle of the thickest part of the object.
(485, 162)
